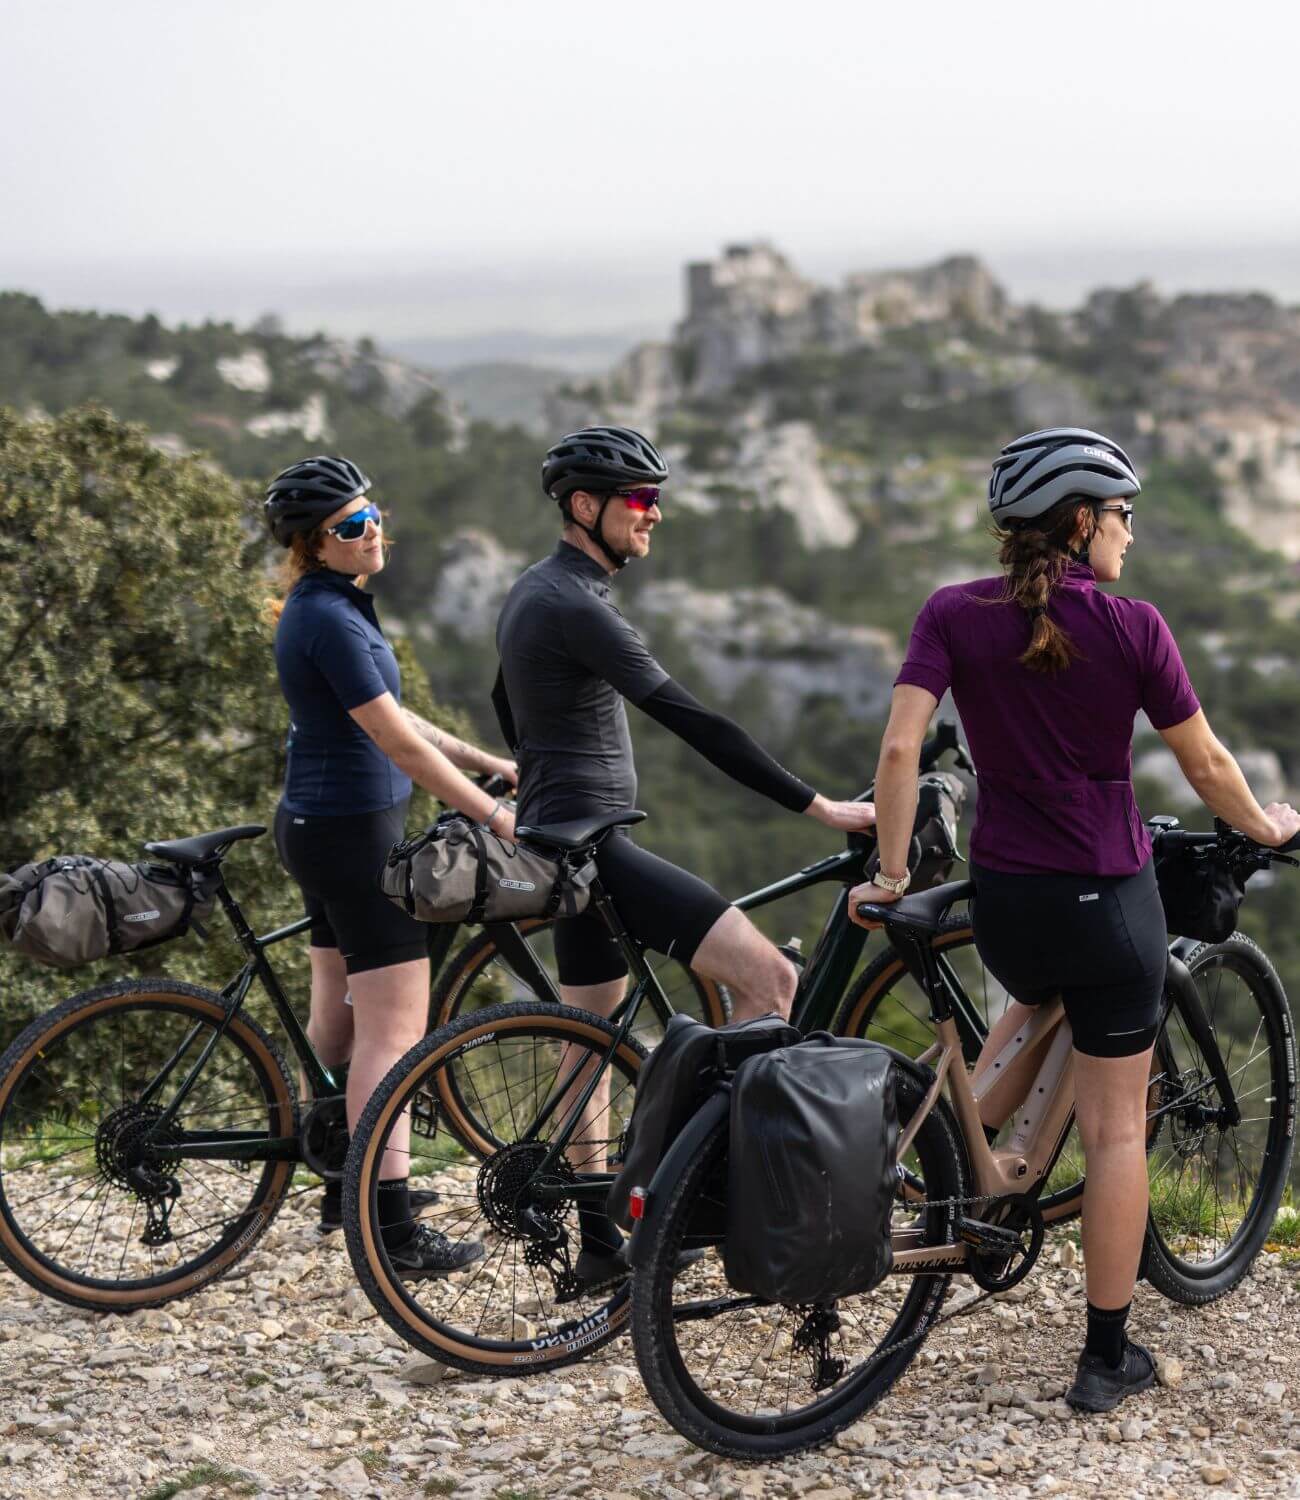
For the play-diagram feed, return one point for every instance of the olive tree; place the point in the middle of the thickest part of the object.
(138, 697)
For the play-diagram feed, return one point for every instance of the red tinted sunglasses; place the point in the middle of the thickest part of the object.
(641, 498)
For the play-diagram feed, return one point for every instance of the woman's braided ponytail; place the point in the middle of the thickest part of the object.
(1035, 555)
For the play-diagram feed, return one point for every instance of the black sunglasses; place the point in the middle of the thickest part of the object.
(1120, 510)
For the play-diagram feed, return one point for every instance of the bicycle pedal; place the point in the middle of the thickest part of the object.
(982, 1236)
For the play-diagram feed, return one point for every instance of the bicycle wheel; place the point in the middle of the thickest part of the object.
(90, 1211)
(748, 1379)
(889, 1006)
(1215, 1187)
(515, 1310)
(481, 975)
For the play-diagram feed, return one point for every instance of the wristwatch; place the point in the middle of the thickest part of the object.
(895, 885)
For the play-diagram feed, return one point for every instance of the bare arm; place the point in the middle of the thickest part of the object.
(1215, 777)
(390, 729)
(897, 773)
(460, 753)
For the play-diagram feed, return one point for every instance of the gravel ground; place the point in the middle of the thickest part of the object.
(281, 1382)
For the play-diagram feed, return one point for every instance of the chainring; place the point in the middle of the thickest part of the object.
(994, 1270)
(323, 1138)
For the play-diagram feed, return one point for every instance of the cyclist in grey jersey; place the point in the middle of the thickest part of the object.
(568, 661)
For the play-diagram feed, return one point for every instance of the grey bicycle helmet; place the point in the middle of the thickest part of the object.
(1036, 471)
(600, 458)
(301, 496)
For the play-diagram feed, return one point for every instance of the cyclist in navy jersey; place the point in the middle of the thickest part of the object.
(353, 752)
(1049, 674)
(569, 659)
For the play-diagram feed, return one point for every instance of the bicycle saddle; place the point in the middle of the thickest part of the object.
(922, 912)
(203, 846)
(579, 832)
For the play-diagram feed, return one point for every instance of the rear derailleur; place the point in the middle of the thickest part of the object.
(813, 1337)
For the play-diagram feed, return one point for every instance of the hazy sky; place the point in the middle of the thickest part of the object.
(493, 163)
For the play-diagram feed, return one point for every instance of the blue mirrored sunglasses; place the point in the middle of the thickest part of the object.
(352, 528)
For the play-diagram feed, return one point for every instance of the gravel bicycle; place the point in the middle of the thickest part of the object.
(150, 1128)
(751, 1379)
(495, 1101)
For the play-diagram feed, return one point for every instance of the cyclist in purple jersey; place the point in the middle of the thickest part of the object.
(1049, 675)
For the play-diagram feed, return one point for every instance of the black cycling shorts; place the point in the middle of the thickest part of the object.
(662, 906)
(337, 861)
(1098, 941)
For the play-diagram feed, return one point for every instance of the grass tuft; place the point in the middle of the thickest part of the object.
(193, 1478)
(1286, 1229)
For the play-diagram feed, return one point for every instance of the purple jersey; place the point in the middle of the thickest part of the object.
(1054, 753)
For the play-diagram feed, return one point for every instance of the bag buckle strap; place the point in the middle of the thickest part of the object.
(478, 907)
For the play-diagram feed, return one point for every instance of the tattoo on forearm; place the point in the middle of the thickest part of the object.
(463, 756)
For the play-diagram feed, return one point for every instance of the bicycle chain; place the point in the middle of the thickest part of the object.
(879, 1357)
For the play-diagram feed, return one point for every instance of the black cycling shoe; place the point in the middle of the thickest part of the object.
(430, 1253)
(597, 1272)
(331, 1208)
(1098, 1387)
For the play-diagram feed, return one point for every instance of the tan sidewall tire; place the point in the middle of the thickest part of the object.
(591, 1332)
(204, 1004)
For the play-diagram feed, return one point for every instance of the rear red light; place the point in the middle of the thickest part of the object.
(637, 1200)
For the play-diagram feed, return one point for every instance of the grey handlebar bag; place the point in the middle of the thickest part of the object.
(74, 909)
(460, 871)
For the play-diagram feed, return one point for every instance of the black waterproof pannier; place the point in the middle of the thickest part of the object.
(679, 1075)
(812, 1171)
(74, 909)
(1200, 894)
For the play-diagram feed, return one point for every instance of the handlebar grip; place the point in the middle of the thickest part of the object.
(1291, 846)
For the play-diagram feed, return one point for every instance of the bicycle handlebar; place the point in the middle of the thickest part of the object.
(1231, 840)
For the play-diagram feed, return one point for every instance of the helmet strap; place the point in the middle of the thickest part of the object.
(594, 531)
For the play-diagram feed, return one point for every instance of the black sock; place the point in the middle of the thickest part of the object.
(334, 1194)
(1106, 1333)
(396, 1221)
(599, 1232)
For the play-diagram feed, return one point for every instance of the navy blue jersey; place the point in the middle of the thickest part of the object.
(332, 656)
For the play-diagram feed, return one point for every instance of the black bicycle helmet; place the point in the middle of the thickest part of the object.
(600, 460)
(1036, 471)
(301, 496)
